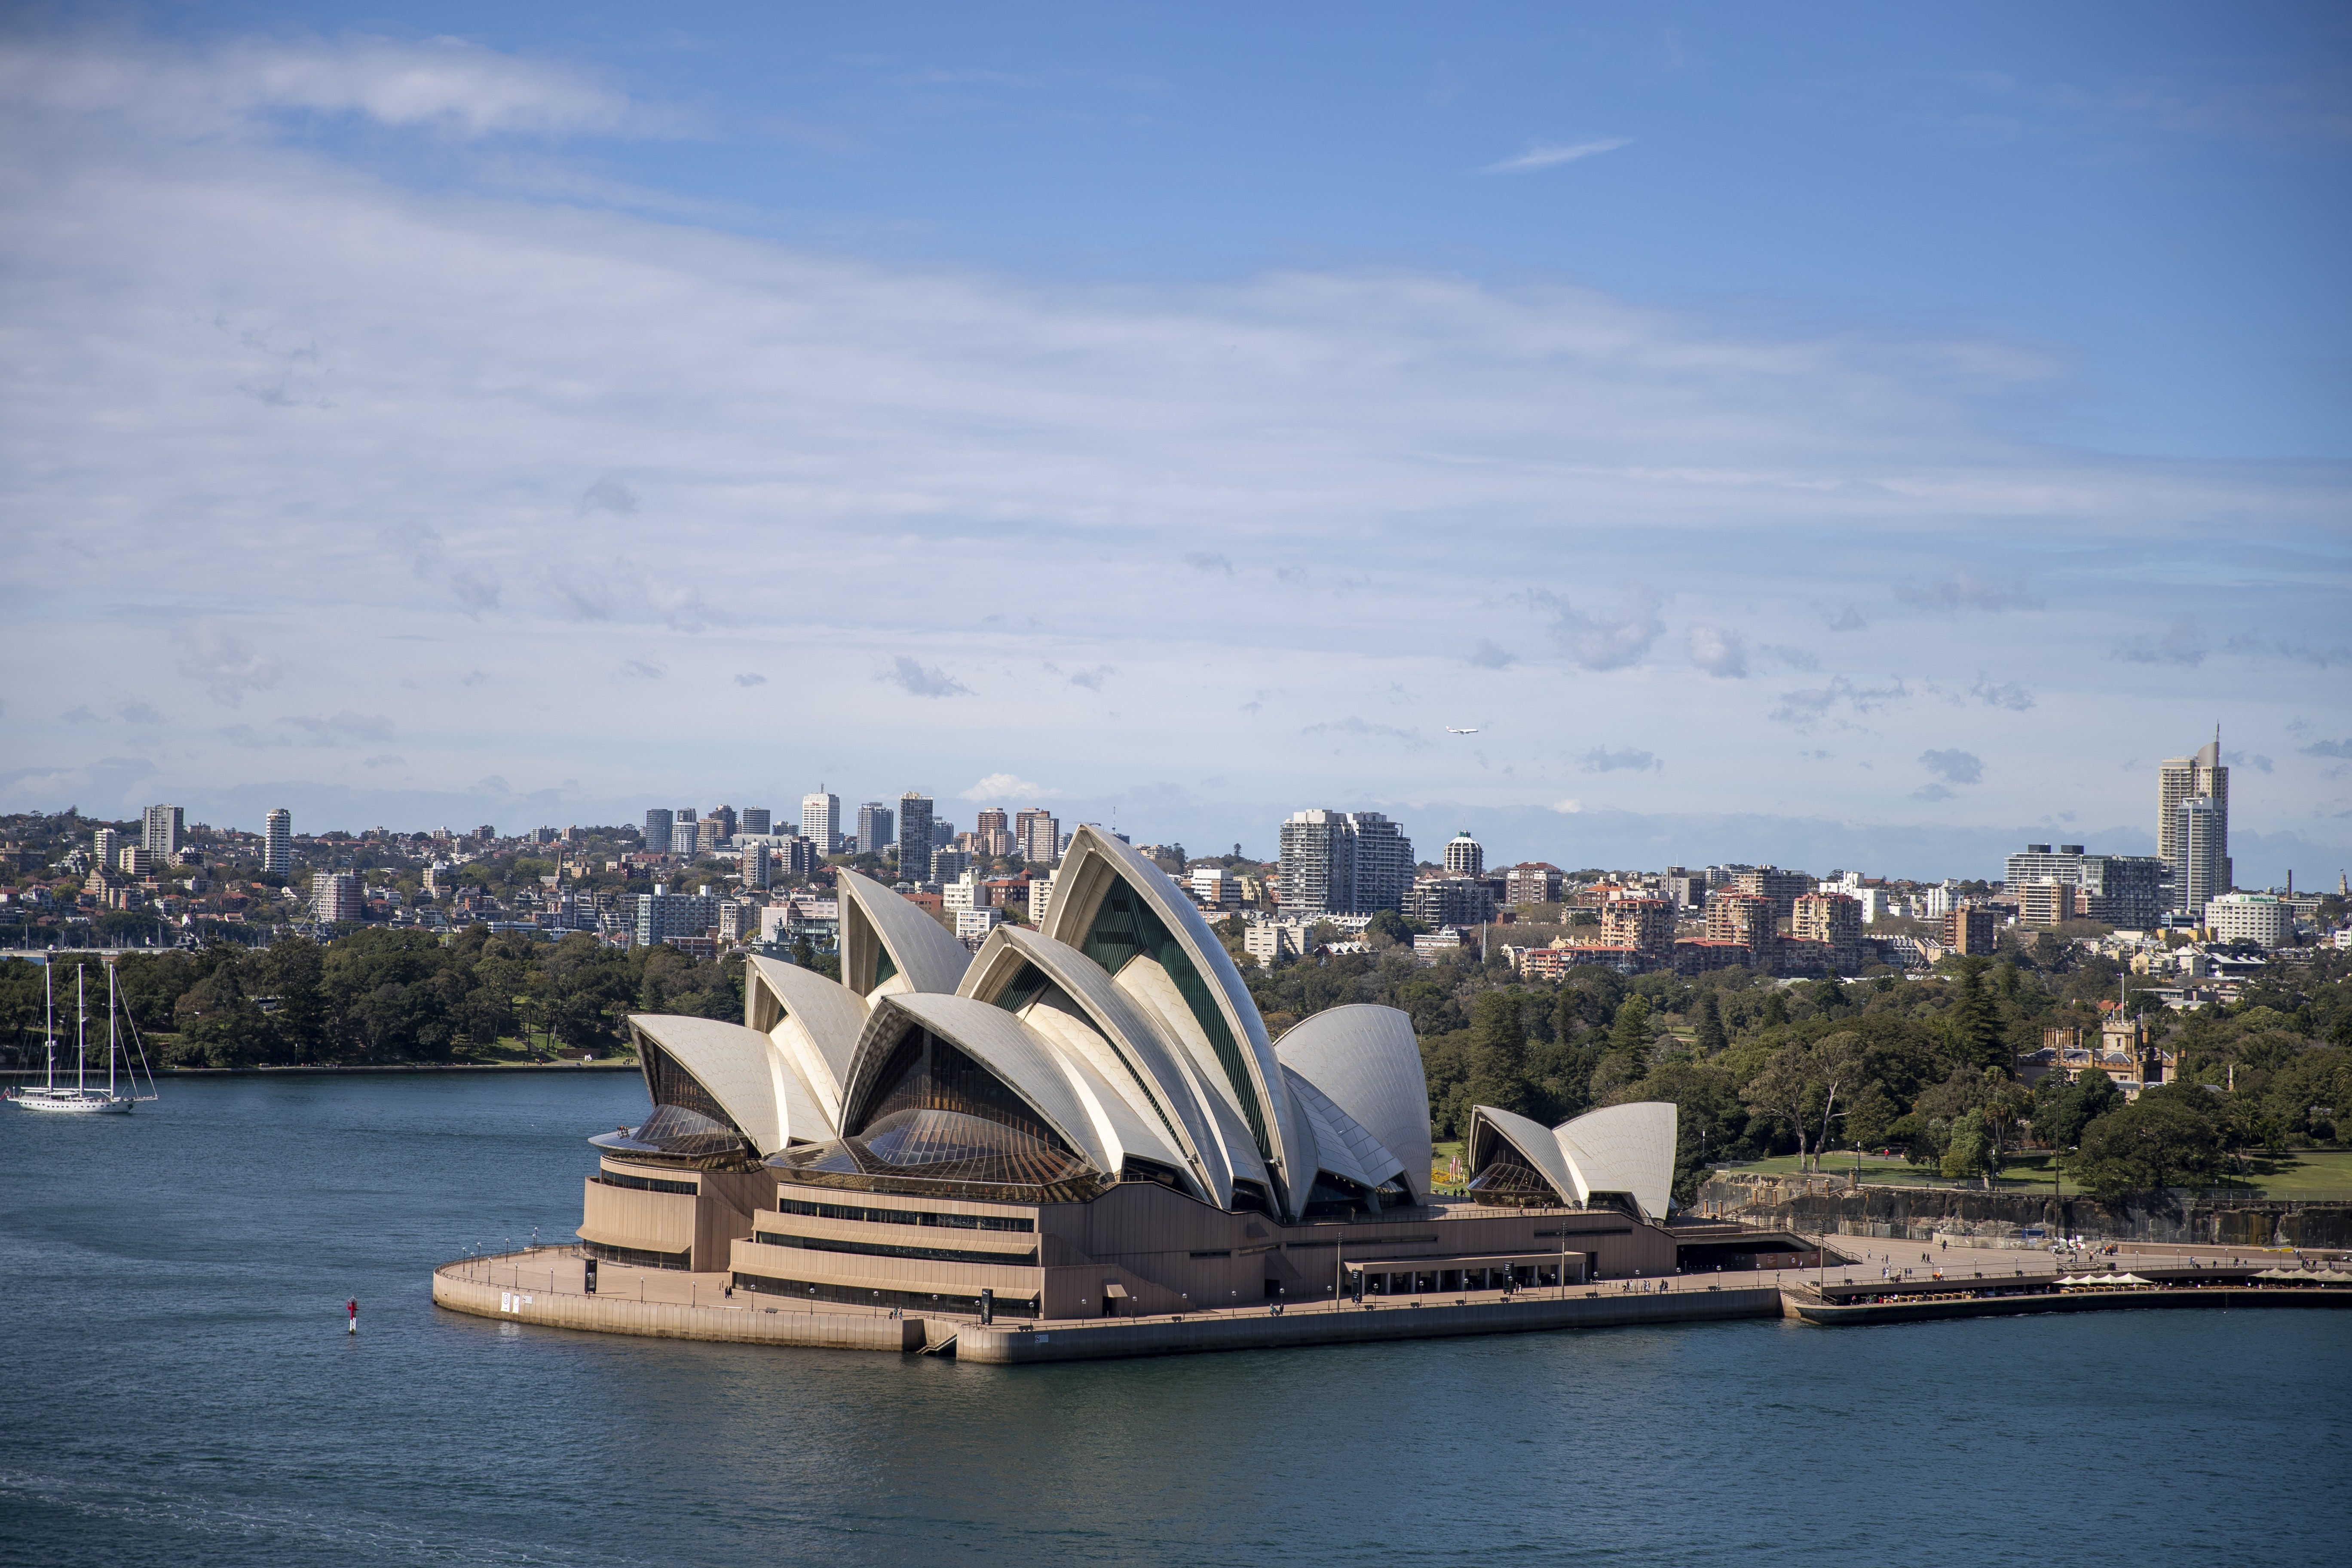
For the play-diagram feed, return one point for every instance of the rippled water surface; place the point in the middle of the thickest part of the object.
(178, 1388)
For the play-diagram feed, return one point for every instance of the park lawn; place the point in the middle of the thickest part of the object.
(2298, 1172)
(2026, 1172)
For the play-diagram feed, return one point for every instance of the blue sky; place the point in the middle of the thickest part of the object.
(1842, 436)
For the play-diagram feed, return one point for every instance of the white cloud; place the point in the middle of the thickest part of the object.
(917, 679)
(1722, 654)
(1552, 157)
(2181, 643)
(225, 663)
(1963, 590)
(1602, 760)
(1568, 807)
(1954, 766)
(445, 85)
(1602, 641)
(1008, 786)
(839, 464)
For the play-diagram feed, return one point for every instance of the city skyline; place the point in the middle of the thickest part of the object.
(1900, 490)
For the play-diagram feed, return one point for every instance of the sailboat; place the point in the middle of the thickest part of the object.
(82, 1099)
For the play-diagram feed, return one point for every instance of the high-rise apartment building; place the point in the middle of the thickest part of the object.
(163, 825)
(1748, 919)
(106, 847)
(658, 827)
(877, 827)
(821, 821)
(725, 818)
(1832, 918)
(335, 897)
(662, 915)
(947, 864)
(1532, 882)
(2201, 873)
(1971, 929)
(1037, 837)
(755, 820)
(915, 836)
(1687, 889)
(2125, 890)
(1465, 856)
(2036, 862)
(2048, 902)
(1782, 888)
(1344, 863)
(278, 842)
(2181, 780)
(992, 834)
(1645, 925)
(1450, 902)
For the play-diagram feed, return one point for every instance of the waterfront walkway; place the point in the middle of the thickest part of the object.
(1884, 1282)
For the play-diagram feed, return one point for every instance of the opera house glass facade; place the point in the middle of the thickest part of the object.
(1086, 1120)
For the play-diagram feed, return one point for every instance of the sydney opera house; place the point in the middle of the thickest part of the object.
(1087, 1121)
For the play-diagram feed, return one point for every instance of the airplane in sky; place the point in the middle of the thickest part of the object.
(1452, 731)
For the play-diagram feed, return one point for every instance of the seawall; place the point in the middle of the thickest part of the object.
(749, 1324)
(1827, 1202)
(1830, 1315)
(1109, 1338)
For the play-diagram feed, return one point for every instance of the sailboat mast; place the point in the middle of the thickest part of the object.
(50, 1008)
(81, 1025)
(109, 1031)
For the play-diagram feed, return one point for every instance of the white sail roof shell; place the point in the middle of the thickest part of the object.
(818, 1027)
(1154, 1066)
(745, 1072)
(1623, 1149)
(1366, 1060)
(1342, 1146)
(1093, 863)
(1618, 1149)
(928, 957)
(1019, 1057)
(1535, 1143)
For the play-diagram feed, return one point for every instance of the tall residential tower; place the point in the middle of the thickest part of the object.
(2180, 782)
(278, 842)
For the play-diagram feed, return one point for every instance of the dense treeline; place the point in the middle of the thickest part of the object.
(1757, 1068)
(1921, 1065)
(378, 997)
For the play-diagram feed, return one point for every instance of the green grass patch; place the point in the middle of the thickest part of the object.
(2299, 1173)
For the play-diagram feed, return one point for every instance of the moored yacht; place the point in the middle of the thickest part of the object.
(81, 1098)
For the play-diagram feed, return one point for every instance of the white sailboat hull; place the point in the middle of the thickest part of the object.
(68, 1103)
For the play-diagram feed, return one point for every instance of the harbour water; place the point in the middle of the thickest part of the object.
(178, 1388)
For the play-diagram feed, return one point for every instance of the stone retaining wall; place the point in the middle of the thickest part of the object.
(1998, 1219)
(671, 1321)
(1111, 1337)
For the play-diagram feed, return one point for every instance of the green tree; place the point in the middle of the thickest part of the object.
(2164, 1137)
(1631, 1032)
(1711, 1037)
(1973, 1021)
(1776, 1009)
(1789, 1090)
(2063, 1109)
(1969, 1152)
(1497, 1057)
